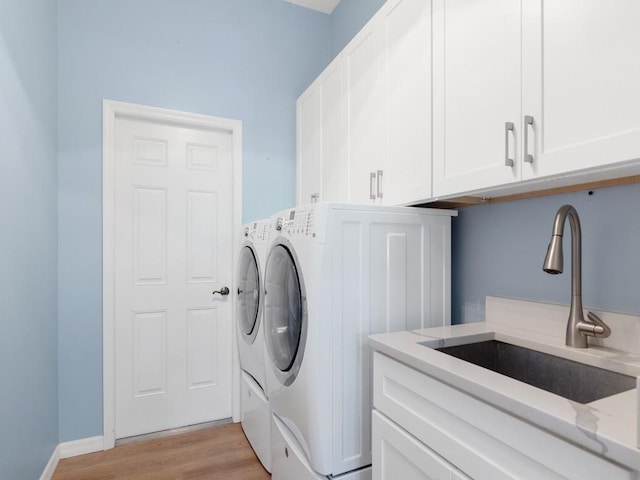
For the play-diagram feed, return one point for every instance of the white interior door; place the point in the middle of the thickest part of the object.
(173, 247)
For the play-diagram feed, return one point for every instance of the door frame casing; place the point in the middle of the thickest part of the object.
(112, 111)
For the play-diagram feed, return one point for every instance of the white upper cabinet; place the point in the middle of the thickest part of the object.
(405, 65)
(534, 89)
(476, 94)
(309, 135)
(388, 89)
(581, 84)
(322, 172)
(335, 173)
(363, 97)
(442, 98)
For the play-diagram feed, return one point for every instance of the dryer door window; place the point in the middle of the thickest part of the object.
(285, 313)
(248, 294)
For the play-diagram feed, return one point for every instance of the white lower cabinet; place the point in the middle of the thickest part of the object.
(426, 429)
(396, 454)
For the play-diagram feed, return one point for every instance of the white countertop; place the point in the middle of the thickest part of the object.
(608, 426)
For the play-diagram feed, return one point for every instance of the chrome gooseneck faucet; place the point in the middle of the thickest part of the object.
(578, 329)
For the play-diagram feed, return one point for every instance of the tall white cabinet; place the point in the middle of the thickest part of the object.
(364, 116)
(309, 144)
(405, 66)
(385, 137)
(322, 170)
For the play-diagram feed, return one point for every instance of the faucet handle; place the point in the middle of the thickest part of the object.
(595, 327)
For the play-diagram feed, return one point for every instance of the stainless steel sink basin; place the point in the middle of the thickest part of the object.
(575, 381)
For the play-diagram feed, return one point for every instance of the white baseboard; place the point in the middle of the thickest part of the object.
(72, 449)
(81, 447)
(51, 466)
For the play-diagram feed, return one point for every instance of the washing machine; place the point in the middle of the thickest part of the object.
(256, 414)
(335, 274)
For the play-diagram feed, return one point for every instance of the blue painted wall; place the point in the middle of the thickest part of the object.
(28, 240)
(243, 59)
(499, 249)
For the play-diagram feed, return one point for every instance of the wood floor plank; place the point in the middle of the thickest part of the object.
(220, 452)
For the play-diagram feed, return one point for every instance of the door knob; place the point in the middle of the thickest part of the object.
(223, 291)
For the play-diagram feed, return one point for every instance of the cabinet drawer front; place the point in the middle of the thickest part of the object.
(398, 455)
(481, 440)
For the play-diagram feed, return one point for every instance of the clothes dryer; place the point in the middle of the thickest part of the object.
(335, 274)
(256, 414)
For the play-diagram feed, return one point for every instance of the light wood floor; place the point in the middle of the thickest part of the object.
(220, 452)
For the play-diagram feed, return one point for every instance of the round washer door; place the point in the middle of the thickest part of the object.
(285, 317)
(249, 303)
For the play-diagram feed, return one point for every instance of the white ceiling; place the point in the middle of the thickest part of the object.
(324, 6)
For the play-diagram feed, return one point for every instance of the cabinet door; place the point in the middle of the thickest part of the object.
(309, 162)
(335, 173)
(477, 89)
(363, 113)
(406, 83)
(581, 83)
(398, 455)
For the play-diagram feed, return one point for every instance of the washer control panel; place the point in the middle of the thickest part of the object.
(298, 223)
(257, 232)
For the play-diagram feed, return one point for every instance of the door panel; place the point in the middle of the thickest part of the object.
(202, 233)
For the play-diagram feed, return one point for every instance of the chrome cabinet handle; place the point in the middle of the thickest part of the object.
(372, 177)
(378, 183)
(315, 197)
(528, 121)
(508, 127)
(224, 291)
